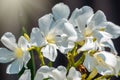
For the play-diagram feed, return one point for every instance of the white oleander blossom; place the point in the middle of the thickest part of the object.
(50, 73)
(52, 35)
(106, 63)
(94, 24)
(61, 10)
(93, 28)
(17, 53)
(81, 32)
(59, 73)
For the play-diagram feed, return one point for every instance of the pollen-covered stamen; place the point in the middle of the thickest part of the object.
(18, 52)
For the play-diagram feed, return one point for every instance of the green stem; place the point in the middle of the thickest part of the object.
(31, 65)
(74, 50)
(104, 77)
(71, 61)
(40, 56)
(50, 64)
(80, 61)
(92, 74)
(83, 76)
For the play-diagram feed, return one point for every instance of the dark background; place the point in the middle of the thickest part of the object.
(111, 8)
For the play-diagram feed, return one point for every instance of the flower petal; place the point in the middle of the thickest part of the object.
(58, 27)
(45, 69)
(74, 16)
(60, 11)
(113, 29)
(26, 58)
(84, 13)
(89, 62)
(45, 23)
(108, 43)
(8, 39)
(6, 55)
(43, 72)
(50, 52)
(70, 31)
(15, 67)
(89, 45)
(98, 18)
(109, 62)
(109, 59)
(99, 35)
(26, 75)
(59, 73)
(23, 43)
(73, 74)
(104, 70)
(65, 46)
(36, 37)
(117, 68)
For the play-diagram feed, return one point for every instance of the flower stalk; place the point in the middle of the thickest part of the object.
(31, 65)
(40, 56)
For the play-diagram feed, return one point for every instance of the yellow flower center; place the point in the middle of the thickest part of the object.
(18, 52)
(88, 32)
(100, 61)
(102, 29)
(50, 38)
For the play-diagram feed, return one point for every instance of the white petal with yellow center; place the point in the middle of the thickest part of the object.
(18, 52)
(88, 32)
(50, 38)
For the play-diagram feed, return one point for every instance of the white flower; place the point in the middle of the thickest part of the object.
(94, 27)
(58, 73)
(79, 18)
(62, 11)
(53, 35)
(51, 73)
(89, 26)
(17, 53)
(106, 63)
(26, 75)
(54, 32)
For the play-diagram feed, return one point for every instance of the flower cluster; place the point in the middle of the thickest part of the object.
(82, 34)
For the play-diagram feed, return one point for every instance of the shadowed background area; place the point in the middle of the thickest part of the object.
(14, 14)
